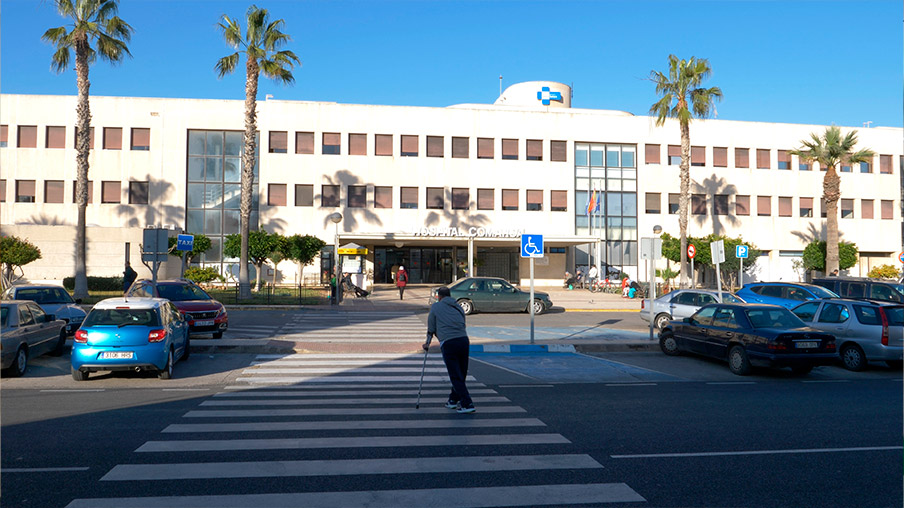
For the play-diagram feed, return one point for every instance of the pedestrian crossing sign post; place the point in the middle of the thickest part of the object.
(531, 247)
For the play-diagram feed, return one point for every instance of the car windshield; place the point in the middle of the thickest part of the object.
(822, 292)
(773, 318)
(4, 316)
(44, 296)
(122, 317)
(181, 292)
(730, 298)
(898, 287)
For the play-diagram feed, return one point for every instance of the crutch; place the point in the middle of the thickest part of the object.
(421, 384)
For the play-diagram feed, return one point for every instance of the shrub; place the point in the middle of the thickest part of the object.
(883, 272)
(96, 283)
(197, 274)
(814, 256)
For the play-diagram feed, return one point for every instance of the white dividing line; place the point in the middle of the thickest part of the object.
(455, 423)
(630, 384)
(731, 382)
(74, 390)
(408, 398)
(333, 393)
(344, 379)
(522, 386)
(341, 411)
(314, 363)
(826, 381)
(186, 389)
(261, 390)
(267, 369)
(502, 368)
(298, 356)
(757, 452)
(42, 469)
(294, 468)
(472, 497)
(306, 338)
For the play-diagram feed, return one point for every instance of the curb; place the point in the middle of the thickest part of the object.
(522, 348)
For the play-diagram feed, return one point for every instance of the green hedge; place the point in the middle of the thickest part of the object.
(96, 283)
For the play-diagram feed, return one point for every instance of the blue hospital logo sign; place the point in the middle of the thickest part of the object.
(544, 96)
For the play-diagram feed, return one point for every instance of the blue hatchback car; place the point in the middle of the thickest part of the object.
(130, 334)
(786, 294)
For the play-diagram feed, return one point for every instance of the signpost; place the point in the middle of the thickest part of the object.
(185, 243)
(651, 249)
(741, 252)
(718, 251)
(154, 249)
(691, 252)
(531, 247)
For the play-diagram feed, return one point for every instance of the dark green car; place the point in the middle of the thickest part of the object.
(492, 294)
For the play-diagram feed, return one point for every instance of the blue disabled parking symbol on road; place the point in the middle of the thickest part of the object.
(532, 246)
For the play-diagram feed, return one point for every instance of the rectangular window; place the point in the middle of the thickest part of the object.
(90, 138)
(674, 204)
(698, 156)
(357, 144)
(357, 196)
(784, 206)
(383, 145)
(806, 207)
(461, 198)
(866, 167)
(720, 157)
(2, 191)
(278, 143)
(435, 146)
(332, 144)
(56, 137)
(113, 138)
(653, 203)
(110, 192)
(276, 194)
(484, 148)
(764, 206)
(304, 195)
(486, 199)
(460, 148)
(822, 208)
(885, 164)
(651, 154)
(329, 196)
(847, 208)
(742, 157)
(25, 191)
(674, 155)
(510, 149)
(138, 193)
(534, 200)
(742, 205)
(141, 139)
(435, 199)
(698, 204)
(509, 199)
(534, 150)
(803, 164)
(27, 137)
(53, 191)
(762, 159)
(4, 136)
(382, 197)
(409, 146)
(90, 191)
(558, 151)
(720, 204)
(558, 201)
(784, 159)
(888, 209)
(846, 164)
(408, 197)
(304, 142)
(866, 209)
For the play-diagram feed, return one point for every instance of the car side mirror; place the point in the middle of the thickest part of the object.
(49, 317)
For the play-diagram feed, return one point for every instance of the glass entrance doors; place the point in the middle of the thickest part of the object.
(424, 265)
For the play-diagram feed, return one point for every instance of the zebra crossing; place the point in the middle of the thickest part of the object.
(341, 430)
(339, 326)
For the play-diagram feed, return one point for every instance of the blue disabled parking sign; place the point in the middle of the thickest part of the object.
(741, 251)
(532, 246)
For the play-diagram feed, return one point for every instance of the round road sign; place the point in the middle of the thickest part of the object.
(901, 257)
(691, 251)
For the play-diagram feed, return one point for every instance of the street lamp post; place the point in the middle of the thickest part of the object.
(336, 218)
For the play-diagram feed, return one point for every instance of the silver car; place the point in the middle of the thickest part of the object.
(682, 303)
(26, 331)
(864, 330)
(54, 300)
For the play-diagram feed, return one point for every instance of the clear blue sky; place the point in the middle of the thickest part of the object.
(816, 62)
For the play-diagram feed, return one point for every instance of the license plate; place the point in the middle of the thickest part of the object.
(203, 323)
(806, 345)
(117, 355)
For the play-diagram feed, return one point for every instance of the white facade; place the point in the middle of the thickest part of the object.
(521, 117)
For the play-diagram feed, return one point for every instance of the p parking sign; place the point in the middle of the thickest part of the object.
(741, 251)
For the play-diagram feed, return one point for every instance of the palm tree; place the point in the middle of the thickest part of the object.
(830, 150)
(93, 21)
(682, 87)
(260, 44)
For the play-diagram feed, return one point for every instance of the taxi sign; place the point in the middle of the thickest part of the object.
(185, 242)
(359, 251)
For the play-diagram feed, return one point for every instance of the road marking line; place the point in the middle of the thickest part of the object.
(332, 393)
(342, 411)
(263, 390)
(631, 384)
(343, 355)
(266, 369)
(406, 398)
(826, 381)
(731, 382)
(757, 452)
(76, 390)
(186, 389)
(455, 423)
(343, 379)
(503, 368)
(42, 469)
(521, 386)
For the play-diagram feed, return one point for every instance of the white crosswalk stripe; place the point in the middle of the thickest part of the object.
(340, 326)
(353, 417)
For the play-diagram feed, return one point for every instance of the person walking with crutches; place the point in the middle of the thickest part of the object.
(447, 322)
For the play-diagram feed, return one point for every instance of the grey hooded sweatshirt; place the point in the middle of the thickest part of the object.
(446, 321)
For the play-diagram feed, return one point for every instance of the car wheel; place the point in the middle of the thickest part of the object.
(801, 370)
(662, 321)
(20, 363)
(218, 335)
(539, 308)
(60, 345)
(167, 372)
(668, 344)
(186, 351)
(895, 364)
(852, 357)
(466, 306)
(738, 361)
(79, 375)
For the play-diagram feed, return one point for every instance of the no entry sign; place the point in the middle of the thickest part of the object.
(691, 251)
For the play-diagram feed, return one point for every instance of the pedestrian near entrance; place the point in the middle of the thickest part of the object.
(401, 281)
(128, 277)
(447, 322)
(591, 275)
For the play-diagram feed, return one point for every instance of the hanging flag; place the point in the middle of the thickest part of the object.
(591, 204)
(596, 201)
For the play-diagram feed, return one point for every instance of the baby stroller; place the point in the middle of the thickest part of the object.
(348, 286)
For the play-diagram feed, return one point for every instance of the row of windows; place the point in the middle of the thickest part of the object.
(358, 196)
(720, 206)
(409, 145)
(763, 159)
(54, 190)
(55, 137)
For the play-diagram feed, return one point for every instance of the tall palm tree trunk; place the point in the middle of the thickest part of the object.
(83, 111)
(831, 186)
(683, 200)
(252, 72)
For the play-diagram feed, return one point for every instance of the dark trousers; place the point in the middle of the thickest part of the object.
(455, 356)
(401, 292)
